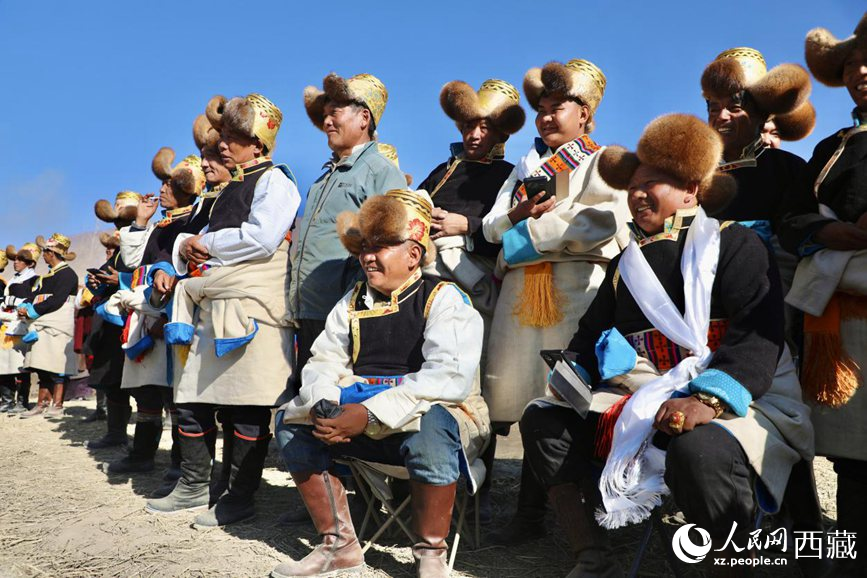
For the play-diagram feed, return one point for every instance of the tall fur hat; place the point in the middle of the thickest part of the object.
(186, 177)
(123, 211)
(364, 89)
(390, 219)
(110, 239)
(825, 54)
(680, 145)
(254, 116)
(28, 251)
(206, 127)
(577, 78)
(57, 244)
(4, 260)
(496, 100)
(783, 90)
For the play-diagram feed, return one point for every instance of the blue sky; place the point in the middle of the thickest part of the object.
(92, 89)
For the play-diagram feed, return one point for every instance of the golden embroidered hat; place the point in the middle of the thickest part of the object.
(397, 216)
(28, 252)
(364, 89)
(57, 244)
(4, 260)
(206, 127)
(390, 152)
(123, 211)
(825, 53)
(110, 239)
(680, 145)
(578, 78)
(254, 116)
(496, 100)
(781, 93)
(186, 177)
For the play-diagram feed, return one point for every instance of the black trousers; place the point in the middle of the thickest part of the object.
(308, 331)
(706, 469)
(250, 422)
(152, 399)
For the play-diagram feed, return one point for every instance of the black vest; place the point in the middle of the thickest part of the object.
(387, 341)
(232, 208)
(161, 242)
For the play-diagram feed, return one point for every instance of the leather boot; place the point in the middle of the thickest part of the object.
(173, 473)
(117, 419)
(587, 540)
(43, 401)
(191, 491)
(325, 498)
(220, 481)
(23, 403)
(248, 459)
(99, 413)
(7, 394)
(528, 522)
(56, 407)
(145, 442)
(431, 522)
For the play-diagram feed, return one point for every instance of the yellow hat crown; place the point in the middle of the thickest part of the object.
(493, 92)
(389, 152)
(267, 119)
(370, 91)
(58, 240)
(4, 260)
(418, 207)
(590, 70)
(194, 164)
(751, 60)
(34, 250)
(127, 199)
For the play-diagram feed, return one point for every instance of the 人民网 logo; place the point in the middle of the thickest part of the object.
(685, 549)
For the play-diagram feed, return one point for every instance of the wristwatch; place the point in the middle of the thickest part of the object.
(373, 423)
(712, 402)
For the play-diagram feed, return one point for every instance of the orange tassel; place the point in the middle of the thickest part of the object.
(540, 303)
(605, 427)
(830, 377)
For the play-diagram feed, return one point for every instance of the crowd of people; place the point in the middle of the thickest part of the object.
(708, 286)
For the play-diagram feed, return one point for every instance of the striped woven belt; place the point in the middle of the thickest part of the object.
(664, 353)
(383, 380)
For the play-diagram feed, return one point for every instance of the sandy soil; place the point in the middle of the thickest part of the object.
(60, 515)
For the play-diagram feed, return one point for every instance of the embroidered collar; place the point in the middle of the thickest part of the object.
(212, 192)
(173, 215)
(374, 299)
(679, 221)
(250, 167)
(347, 161)
(748, 158)
(497, 153)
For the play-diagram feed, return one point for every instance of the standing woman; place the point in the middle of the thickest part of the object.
(12, 380)
(554, 252)
(50, 313)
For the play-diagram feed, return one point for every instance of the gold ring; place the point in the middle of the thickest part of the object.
(675, 420)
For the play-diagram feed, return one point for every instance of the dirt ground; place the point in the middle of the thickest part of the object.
(60, 515)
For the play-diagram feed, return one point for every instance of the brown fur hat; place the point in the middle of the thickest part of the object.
(57, 244)
(239, 115)
(28, 251)
(681, 145)
(122, 212)
(206, 127)
(797, 124)
(496, 100)
(577, 78)
(777, 91)
(381, 220)
(162, 163)
(109, 239)
(825, 54)
(363, 89)
(186, 177)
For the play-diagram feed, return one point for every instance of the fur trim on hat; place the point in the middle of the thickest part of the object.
(797, 124)
(722, 78)
(461, 103)
(380, 220)
(184, 181)
(717, 193)
(335, 88)
(617, 165)
(206, 127)
(68, 256)
(556, 79)
(825, 53)
(314, 104)
(109, 240)
(104, 211)
(162, 163)
(780, 91)
(239, 116)
(12, 253)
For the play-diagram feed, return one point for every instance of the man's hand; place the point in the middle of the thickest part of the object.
(528, 208)
(146, 209)
(109, 278)
(193, 251)
(692, 411)
(349, 424)
(22, 313)
(445, 224)
(841, 236)
(164, 283)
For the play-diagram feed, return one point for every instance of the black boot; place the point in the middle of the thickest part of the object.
(191, 491)
(248, 459)
(529, 521)
(851, 516)
(23, 403)
(144, 447)
(7, 394)
(220, 482)
(99, 413)
(173, 474)
(116, 421)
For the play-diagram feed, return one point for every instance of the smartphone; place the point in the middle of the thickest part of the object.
(536, 185)
(96, 272)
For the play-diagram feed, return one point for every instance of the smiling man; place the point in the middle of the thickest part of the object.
(348, 111)
(397, 362)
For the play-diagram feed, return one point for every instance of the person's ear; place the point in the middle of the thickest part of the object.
(691, 192)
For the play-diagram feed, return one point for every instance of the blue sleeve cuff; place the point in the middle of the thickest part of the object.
(124, 281)
(517, 245)
(161, 266)
(31, 311)
(615, 355)
(761, 227)
(728, 389)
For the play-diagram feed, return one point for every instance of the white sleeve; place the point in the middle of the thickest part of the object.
(272, 212)
(497, 222)
(330, 359)
(133, 243)
(452, 350)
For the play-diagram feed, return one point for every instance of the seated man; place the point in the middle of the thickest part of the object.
(683, 345)
(399, 357)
